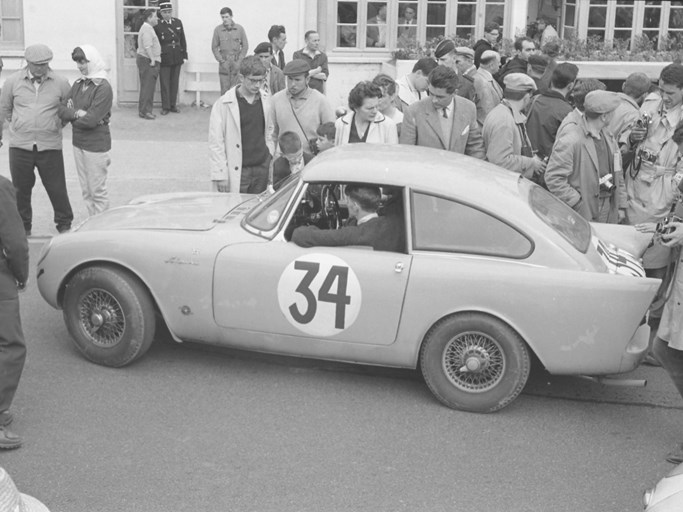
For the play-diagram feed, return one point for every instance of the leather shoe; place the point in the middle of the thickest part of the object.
(9, 440)
(5, 418)
(64, 229)
(175, 110)
(147, 116)
(675, 456)
(164, 112)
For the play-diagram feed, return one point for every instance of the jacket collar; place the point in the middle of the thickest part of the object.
(348, 117)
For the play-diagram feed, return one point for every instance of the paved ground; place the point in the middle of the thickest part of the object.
(164, 155)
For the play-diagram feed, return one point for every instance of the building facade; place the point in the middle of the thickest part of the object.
(358, 35)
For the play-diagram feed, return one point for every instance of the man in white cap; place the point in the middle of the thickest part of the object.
(507, 143)
(584, 169)
(30, 100)
(171, 36)
(464, 65)
(489, 92)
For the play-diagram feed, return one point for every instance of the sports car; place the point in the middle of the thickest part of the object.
(494, 272)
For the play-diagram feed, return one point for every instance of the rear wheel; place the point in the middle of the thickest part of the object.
(474, 362)
(110, 315)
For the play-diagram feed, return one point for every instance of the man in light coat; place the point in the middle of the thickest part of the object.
(489, 92)
(240, 152)
(507, 143)
(584, 169)
(443, 120)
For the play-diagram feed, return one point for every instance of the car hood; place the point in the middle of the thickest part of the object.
(187, 211)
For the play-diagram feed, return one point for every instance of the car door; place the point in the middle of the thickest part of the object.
(350, 294)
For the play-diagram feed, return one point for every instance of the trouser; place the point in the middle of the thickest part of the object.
(92, 173)
(254, 178)
(228, 71)
(148, 81)
(672, 362)
(169, 77)
(50, 164)
(12, 351)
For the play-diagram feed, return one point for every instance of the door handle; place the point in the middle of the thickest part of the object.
(398, 268)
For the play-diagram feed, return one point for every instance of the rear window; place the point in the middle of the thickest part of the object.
(556, 214)
(444, 225)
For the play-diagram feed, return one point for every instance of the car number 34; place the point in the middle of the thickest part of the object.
(319, 294)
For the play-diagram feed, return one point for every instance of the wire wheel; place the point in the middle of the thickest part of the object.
(474, 362)
(102, 318)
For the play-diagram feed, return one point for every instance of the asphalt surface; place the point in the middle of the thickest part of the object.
(191, 428)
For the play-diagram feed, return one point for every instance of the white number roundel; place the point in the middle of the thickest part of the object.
(319, 294)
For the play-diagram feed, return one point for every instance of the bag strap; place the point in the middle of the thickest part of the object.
(301, 127)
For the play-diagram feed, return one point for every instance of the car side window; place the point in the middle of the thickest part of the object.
(440, 224)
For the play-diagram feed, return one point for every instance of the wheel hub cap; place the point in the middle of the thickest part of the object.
(474, 362)
(101, 317)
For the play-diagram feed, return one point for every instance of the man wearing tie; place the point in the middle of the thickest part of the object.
(278, 38)
(443, 120)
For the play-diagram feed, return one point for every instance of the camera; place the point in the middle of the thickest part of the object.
(662, 227)
(647, 156)
(606, 183)
(644, 120)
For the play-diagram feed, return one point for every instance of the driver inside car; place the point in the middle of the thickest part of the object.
(365, 226)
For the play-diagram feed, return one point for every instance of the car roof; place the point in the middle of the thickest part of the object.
(427, 169)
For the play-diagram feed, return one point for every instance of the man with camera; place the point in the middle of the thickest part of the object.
(584, 169)
(651, 183)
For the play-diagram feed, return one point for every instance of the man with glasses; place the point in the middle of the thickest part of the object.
(489, 42)
(239, 149)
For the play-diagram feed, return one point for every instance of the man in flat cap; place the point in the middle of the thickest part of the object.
(319, 70)
(298, 108)
(584, 169)
(464, 65)
(443, 120)
(489, 92)
(505, 137)
(171, 36)
(240, 151)
(275, 78)
(229, 46)
(446, 55)
(30, 101)
(524, 47)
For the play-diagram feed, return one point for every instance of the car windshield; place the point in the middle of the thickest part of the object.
(556, 214)
(266, 215)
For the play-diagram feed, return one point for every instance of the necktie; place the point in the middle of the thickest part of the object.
(281, 59)
(445, 113)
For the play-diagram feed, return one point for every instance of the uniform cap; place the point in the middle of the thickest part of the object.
(263, 48)
(519, 82)
(38, 54)
(165, 6)
(600, 102)
(296, 67)
(465, 51)
(445, 47)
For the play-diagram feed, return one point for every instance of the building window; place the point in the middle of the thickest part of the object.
(385, 25)
(12, 24)
(132, 21)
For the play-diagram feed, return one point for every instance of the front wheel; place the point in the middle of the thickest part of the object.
(474, 362)
(109, 315)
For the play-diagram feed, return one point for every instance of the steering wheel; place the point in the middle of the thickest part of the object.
(330, 212)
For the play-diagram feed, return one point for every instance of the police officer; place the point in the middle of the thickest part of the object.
(171, 36)
(13, 277)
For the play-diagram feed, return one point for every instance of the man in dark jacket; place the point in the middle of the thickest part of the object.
(365, 226)
(13, 277)
(524, 47)
(171, 36)
(491, 34)
(549, 109)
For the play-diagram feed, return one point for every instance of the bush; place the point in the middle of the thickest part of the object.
(641, 48)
